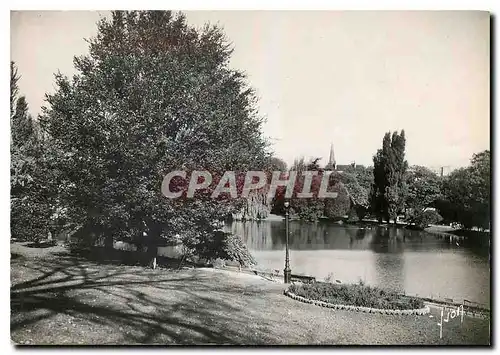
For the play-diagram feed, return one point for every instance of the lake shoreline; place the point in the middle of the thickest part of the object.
(272, 277)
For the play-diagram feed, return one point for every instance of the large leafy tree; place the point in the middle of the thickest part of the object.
(466, 193)
(424, 189)
(389, 189)
(364, 176)
(152, 96)
(358, 181)
(341, 205)
(358, 195)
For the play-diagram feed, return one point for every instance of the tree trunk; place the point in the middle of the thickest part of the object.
(152, 252)
(153, 238)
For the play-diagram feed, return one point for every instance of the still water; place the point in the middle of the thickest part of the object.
(414, 262)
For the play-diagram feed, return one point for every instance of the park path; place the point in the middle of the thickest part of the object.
(66, 300)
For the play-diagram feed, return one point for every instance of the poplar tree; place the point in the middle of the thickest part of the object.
(389, 189)
(29, 195)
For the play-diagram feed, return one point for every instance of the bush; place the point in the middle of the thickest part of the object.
(224, 246)
(356, 295)
(428, 217)
(29, 219)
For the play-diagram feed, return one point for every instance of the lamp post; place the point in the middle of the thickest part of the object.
(287, 271)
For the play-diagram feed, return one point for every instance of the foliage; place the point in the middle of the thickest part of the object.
(341, 205)
(312, 208)
(299, 164)
(424, 188)
(427, 217)
(153, 96)
(30, 181)
(358, 193)
(364, 176)
(221, 245)
(277, 164)
(466, 193)
(14, 88)
(389, 189)
(307, 209)
(356, 295)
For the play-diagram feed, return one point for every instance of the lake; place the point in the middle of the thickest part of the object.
(414, 262)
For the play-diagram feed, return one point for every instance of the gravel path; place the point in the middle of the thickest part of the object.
(65, 300)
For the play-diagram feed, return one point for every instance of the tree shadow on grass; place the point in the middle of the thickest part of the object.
(108, 256)
(129, 305)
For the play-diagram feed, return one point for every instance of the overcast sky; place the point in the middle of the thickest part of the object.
(323, 77)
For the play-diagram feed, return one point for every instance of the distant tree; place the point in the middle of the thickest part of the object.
(21, 123)
(389, 189)
(427, 217)
(358, 195)
(299, 165)
(309, 209)
(313, 165)
(339, 206)
(312, 208)
(457, 193)
(153, 95)
(466, 193)
(359, 181)
(277, 164)
(424, 189)
(364, 176)
(481, 174)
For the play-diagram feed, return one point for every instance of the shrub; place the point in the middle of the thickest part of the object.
(428, 217)
(29, 219)
(357, 295)
(224, 246)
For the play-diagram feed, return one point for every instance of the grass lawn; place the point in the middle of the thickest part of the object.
(58, 299)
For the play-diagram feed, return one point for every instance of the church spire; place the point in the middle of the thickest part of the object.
(331, 162)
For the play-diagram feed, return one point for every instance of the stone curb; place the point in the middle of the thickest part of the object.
(419, 312)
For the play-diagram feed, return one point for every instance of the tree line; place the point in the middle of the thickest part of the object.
(392, 191)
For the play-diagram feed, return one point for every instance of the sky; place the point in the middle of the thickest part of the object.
(323, 77)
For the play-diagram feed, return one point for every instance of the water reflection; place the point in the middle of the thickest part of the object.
(395, 258)
(324, 235)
